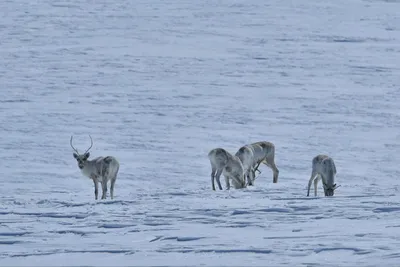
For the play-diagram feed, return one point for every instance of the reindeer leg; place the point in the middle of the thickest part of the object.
(104, 187)
(213, 178)
(112, 187)
(276, 173)
(96, 187)
(310, 182)
(270, 162)
(251, 177)
(217, 177)
(228, 186)
(256, 168)
(316, 185)
(253, 174)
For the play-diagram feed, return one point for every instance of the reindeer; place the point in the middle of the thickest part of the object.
(246, 156)
(323, 168)
(100, 169)
(231, 166)
(264, 152)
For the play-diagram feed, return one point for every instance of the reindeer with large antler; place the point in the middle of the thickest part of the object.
(100, 169)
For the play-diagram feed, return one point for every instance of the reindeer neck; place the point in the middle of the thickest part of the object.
(89, 168)
(328, 181)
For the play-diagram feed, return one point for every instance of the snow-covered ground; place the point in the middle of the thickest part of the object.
(158, 84)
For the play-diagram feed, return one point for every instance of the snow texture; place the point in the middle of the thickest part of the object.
(158, 84)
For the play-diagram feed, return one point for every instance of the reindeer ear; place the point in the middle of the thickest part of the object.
(75, 155)
(87, 154)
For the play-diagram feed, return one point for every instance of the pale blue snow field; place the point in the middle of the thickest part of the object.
(158, 84)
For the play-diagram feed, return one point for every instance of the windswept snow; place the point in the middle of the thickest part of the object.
(158, 84)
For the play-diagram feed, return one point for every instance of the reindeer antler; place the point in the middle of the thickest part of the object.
(91, 144)
(76, 150)
(336, 187)
(70, 142)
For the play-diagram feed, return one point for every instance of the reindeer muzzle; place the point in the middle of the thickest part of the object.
(329, 192)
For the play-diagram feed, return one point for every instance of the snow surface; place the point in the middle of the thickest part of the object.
(158, 84)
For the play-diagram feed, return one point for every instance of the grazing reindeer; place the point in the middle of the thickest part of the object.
(323, 168)
(100, 169)
(264, 152)
(246, 156)
(231, 166)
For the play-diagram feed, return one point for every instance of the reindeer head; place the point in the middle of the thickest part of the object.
(81, 159)
(328, 180)
(330, 190)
